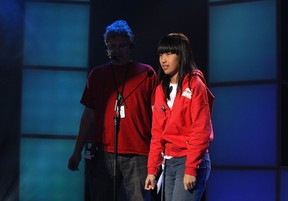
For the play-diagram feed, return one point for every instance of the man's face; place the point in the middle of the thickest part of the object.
(118, 49)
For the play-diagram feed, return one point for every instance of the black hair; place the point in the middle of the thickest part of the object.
(179, 44)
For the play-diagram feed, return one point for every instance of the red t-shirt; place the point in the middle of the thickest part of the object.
(100, 94)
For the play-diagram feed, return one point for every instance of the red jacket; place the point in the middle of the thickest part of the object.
(184, 130)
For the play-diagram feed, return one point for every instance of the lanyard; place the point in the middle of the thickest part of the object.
(120, 94)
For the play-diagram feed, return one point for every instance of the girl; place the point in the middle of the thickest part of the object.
(181, 127)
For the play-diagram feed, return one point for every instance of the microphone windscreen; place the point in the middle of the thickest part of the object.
(150, 73)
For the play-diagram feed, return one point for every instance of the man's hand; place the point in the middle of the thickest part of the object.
(74, 161)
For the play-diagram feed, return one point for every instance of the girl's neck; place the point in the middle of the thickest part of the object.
(174, 79)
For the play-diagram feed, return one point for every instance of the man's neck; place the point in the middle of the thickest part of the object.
(120, 63)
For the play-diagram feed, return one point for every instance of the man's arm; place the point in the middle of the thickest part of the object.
(86, 127)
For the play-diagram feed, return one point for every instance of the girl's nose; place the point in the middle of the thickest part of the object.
(162, 59)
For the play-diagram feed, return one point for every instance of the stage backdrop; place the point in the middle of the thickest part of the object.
(48, 48)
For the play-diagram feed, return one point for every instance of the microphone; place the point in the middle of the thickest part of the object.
(110, 56)
(150, 73)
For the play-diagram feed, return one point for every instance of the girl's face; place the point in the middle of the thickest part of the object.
(170, 64)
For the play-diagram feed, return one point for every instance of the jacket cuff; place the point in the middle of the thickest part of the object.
(191, 171)
(153, 171)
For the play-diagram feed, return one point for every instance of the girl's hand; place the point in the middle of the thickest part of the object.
(189, 182)
(150, 182)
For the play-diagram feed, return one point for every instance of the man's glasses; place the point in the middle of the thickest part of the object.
(115, 47)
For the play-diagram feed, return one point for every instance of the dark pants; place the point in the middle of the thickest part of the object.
(131, 172)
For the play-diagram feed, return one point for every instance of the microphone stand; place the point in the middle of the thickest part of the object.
(149, 74)
(116, 131)
(117, 118)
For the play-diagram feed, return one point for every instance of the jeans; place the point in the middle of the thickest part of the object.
(173, 179)
(131, 172)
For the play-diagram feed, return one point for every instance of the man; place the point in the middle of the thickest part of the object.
(121, 89)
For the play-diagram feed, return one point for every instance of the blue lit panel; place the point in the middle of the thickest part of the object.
(284, 185)
(229, 185)
(51, 102)
(242, 41)
(244, 120)
(56, 34)
(44, 174)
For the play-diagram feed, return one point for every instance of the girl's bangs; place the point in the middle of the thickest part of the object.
(166, 45)
(166, 49)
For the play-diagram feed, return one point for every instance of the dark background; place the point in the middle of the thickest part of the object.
(150, 20)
